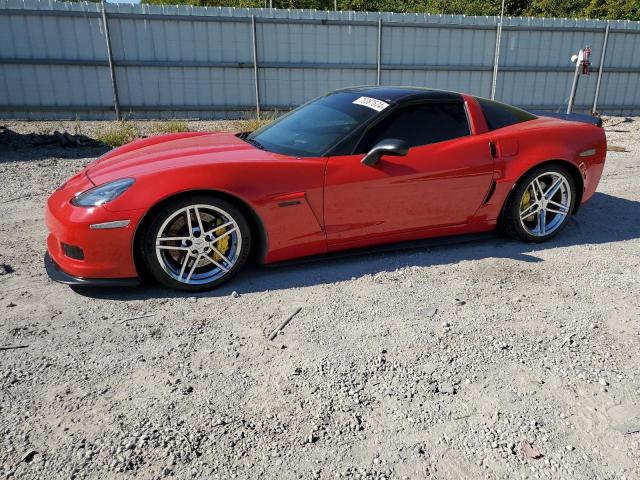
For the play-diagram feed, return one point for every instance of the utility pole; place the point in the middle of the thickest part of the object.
(496, 58)
(112, 71)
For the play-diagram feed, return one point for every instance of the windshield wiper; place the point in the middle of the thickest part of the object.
(255, 143)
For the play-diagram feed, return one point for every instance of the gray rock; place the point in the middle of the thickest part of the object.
(29, 456)
(446, 388)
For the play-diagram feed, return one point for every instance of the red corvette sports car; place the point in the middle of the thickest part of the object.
(357, 167)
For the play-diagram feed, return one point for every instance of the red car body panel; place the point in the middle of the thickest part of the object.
(400, 194)
(308, 206)
(108, 253)
(224, 163)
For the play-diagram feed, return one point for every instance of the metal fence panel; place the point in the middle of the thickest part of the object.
(187, 62)
(622, 52)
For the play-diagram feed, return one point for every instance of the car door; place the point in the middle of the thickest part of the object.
(442, 180)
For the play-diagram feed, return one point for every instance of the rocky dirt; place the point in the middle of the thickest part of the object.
(489, 359)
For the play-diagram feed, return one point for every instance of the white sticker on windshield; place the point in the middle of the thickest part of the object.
(377, 105)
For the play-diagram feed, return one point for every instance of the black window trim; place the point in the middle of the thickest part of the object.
(479, 101)
(398, 106)
(336, 149)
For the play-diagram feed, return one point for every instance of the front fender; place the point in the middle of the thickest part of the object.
(285, 195)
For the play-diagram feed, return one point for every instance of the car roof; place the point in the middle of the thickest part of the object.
(402, 94)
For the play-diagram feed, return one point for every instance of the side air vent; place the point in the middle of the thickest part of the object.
(492, 189)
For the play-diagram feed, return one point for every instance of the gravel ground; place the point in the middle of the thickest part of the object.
(491, 359)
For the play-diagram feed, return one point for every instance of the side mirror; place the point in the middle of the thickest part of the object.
(389, 146)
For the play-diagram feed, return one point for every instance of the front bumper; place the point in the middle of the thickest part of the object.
(58, 275)
(105, 253)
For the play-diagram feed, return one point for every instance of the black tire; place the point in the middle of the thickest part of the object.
(510, 222)
(154, 264)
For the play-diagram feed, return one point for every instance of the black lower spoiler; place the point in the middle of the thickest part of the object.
(572, 117)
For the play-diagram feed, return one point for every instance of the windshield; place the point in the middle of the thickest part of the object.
(312, 129)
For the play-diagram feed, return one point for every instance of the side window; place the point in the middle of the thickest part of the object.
(499, 115)
(419, 125)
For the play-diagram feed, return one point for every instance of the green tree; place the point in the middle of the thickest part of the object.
(611, 9)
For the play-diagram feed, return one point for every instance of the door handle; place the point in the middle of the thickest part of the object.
(493, 150)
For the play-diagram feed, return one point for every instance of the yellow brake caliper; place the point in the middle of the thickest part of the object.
(222, 245)
(526, 200)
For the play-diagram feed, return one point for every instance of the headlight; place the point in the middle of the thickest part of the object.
(102, 193)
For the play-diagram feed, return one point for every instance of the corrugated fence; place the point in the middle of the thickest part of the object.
(57, 60)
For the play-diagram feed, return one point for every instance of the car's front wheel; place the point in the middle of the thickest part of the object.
(196, 242)
(540, 204)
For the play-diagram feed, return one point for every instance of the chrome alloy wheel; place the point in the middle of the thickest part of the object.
(545, 204)
(198, 244)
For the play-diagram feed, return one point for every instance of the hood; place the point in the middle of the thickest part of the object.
(166, 152)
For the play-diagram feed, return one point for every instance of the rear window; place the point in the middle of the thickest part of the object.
(499, 115)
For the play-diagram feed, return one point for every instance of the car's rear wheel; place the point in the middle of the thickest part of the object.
(540, 204)
(196, 243)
